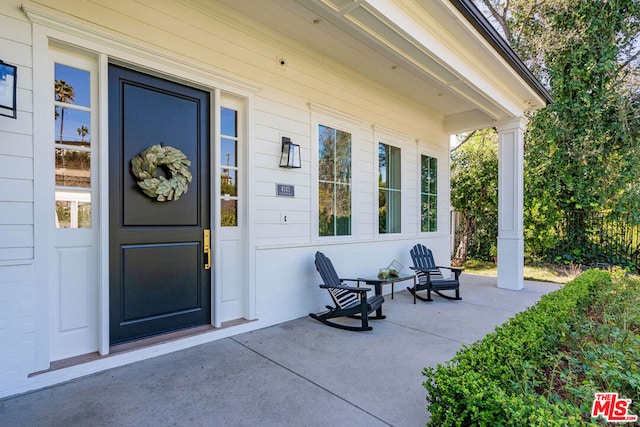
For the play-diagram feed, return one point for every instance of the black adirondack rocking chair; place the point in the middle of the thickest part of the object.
(430, 276)
(350, 301)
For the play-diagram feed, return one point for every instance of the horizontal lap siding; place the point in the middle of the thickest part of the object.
(16, 147)
(17, 273)
(274, 120)
(17, 326)
(244, 50)
(287, 286)
(286, 281)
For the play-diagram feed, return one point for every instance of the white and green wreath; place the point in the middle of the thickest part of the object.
(144, 166)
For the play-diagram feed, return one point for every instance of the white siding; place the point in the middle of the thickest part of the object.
(17, 326)
(218, 50)
(17, 272)
(287, 286)
(16, 146)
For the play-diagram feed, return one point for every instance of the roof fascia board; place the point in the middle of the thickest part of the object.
(484, 27)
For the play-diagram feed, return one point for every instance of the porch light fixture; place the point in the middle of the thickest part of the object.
(290, 157)
(8, 88)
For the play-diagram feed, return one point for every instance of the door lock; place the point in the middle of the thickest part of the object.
(207, 248)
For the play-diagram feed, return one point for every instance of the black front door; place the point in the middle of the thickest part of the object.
(158, 279)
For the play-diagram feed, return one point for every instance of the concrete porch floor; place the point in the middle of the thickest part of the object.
(296, 373)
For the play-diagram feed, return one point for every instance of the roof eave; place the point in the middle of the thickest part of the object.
(484, 27)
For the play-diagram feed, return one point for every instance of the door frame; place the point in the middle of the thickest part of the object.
(239, 233)
(216, 95)
(53, 27)
(137, 237)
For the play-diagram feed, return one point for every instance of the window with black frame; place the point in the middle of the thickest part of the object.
(429, 193)
(389, 189)
(334, 182)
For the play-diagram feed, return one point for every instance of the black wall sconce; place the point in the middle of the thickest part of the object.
(8, 88)
(290, 157)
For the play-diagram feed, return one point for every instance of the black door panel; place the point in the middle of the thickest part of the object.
(158, 283)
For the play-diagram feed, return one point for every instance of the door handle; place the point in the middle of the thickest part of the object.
(207, 248)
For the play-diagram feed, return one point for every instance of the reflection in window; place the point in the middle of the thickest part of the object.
(72, 113)
(72, 85)
(229, 213)
(389, 187)
(229, 168)
(73, 127)
(429, 194)
(73, 209)
(228, 185)
(73, 168)
(334, 186)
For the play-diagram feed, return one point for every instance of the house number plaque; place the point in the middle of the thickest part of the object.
(285, 190)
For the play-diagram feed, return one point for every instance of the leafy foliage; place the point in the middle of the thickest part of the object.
(144, 166)
(544, 365)
(582, 151)
(587, 135)
(474, 192)
(65, 93)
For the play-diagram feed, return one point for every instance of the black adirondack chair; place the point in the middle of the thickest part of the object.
(349, 300)
(430, 276)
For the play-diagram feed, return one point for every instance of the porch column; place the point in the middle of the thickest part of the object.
(510, 203)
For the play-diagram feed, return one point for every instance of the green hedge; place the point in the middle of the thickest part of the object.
(493, 382)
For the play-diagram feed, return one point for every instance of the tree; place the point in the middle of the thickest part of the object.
(65, 93)
(474, 193)
(582, 151)
(83, 131)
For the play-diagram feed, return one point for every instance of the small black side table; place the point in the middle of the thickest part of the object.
(377, 283)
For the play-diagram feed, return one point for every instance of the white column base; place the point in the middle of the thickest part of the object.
(511, 263)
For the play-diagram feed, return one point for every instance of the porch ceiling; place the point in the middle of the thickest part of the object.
(427, 52)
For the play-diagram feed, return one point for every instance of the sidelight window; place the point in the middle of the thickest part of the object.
(229, 167)
(73, 148)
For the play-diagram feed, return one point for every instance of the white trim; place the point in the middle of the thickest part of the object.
(216, 277)
(240, 233)
(510, 203)
(539, 100)
(408, 238)
(391, 133)
(87, 341)
(44, 224)
(434, 147)
(403, 142)
(11, 263)
(415, 39)
(43, 195)
(250, 161)
(68, 33)
(332, 114)
(103, 214)
(426, 149)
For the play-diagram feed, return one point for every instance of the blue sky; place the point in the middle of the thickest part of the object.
(74, 119)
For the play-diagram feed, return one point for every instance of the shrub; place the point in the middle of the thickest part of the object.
(495, 381)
